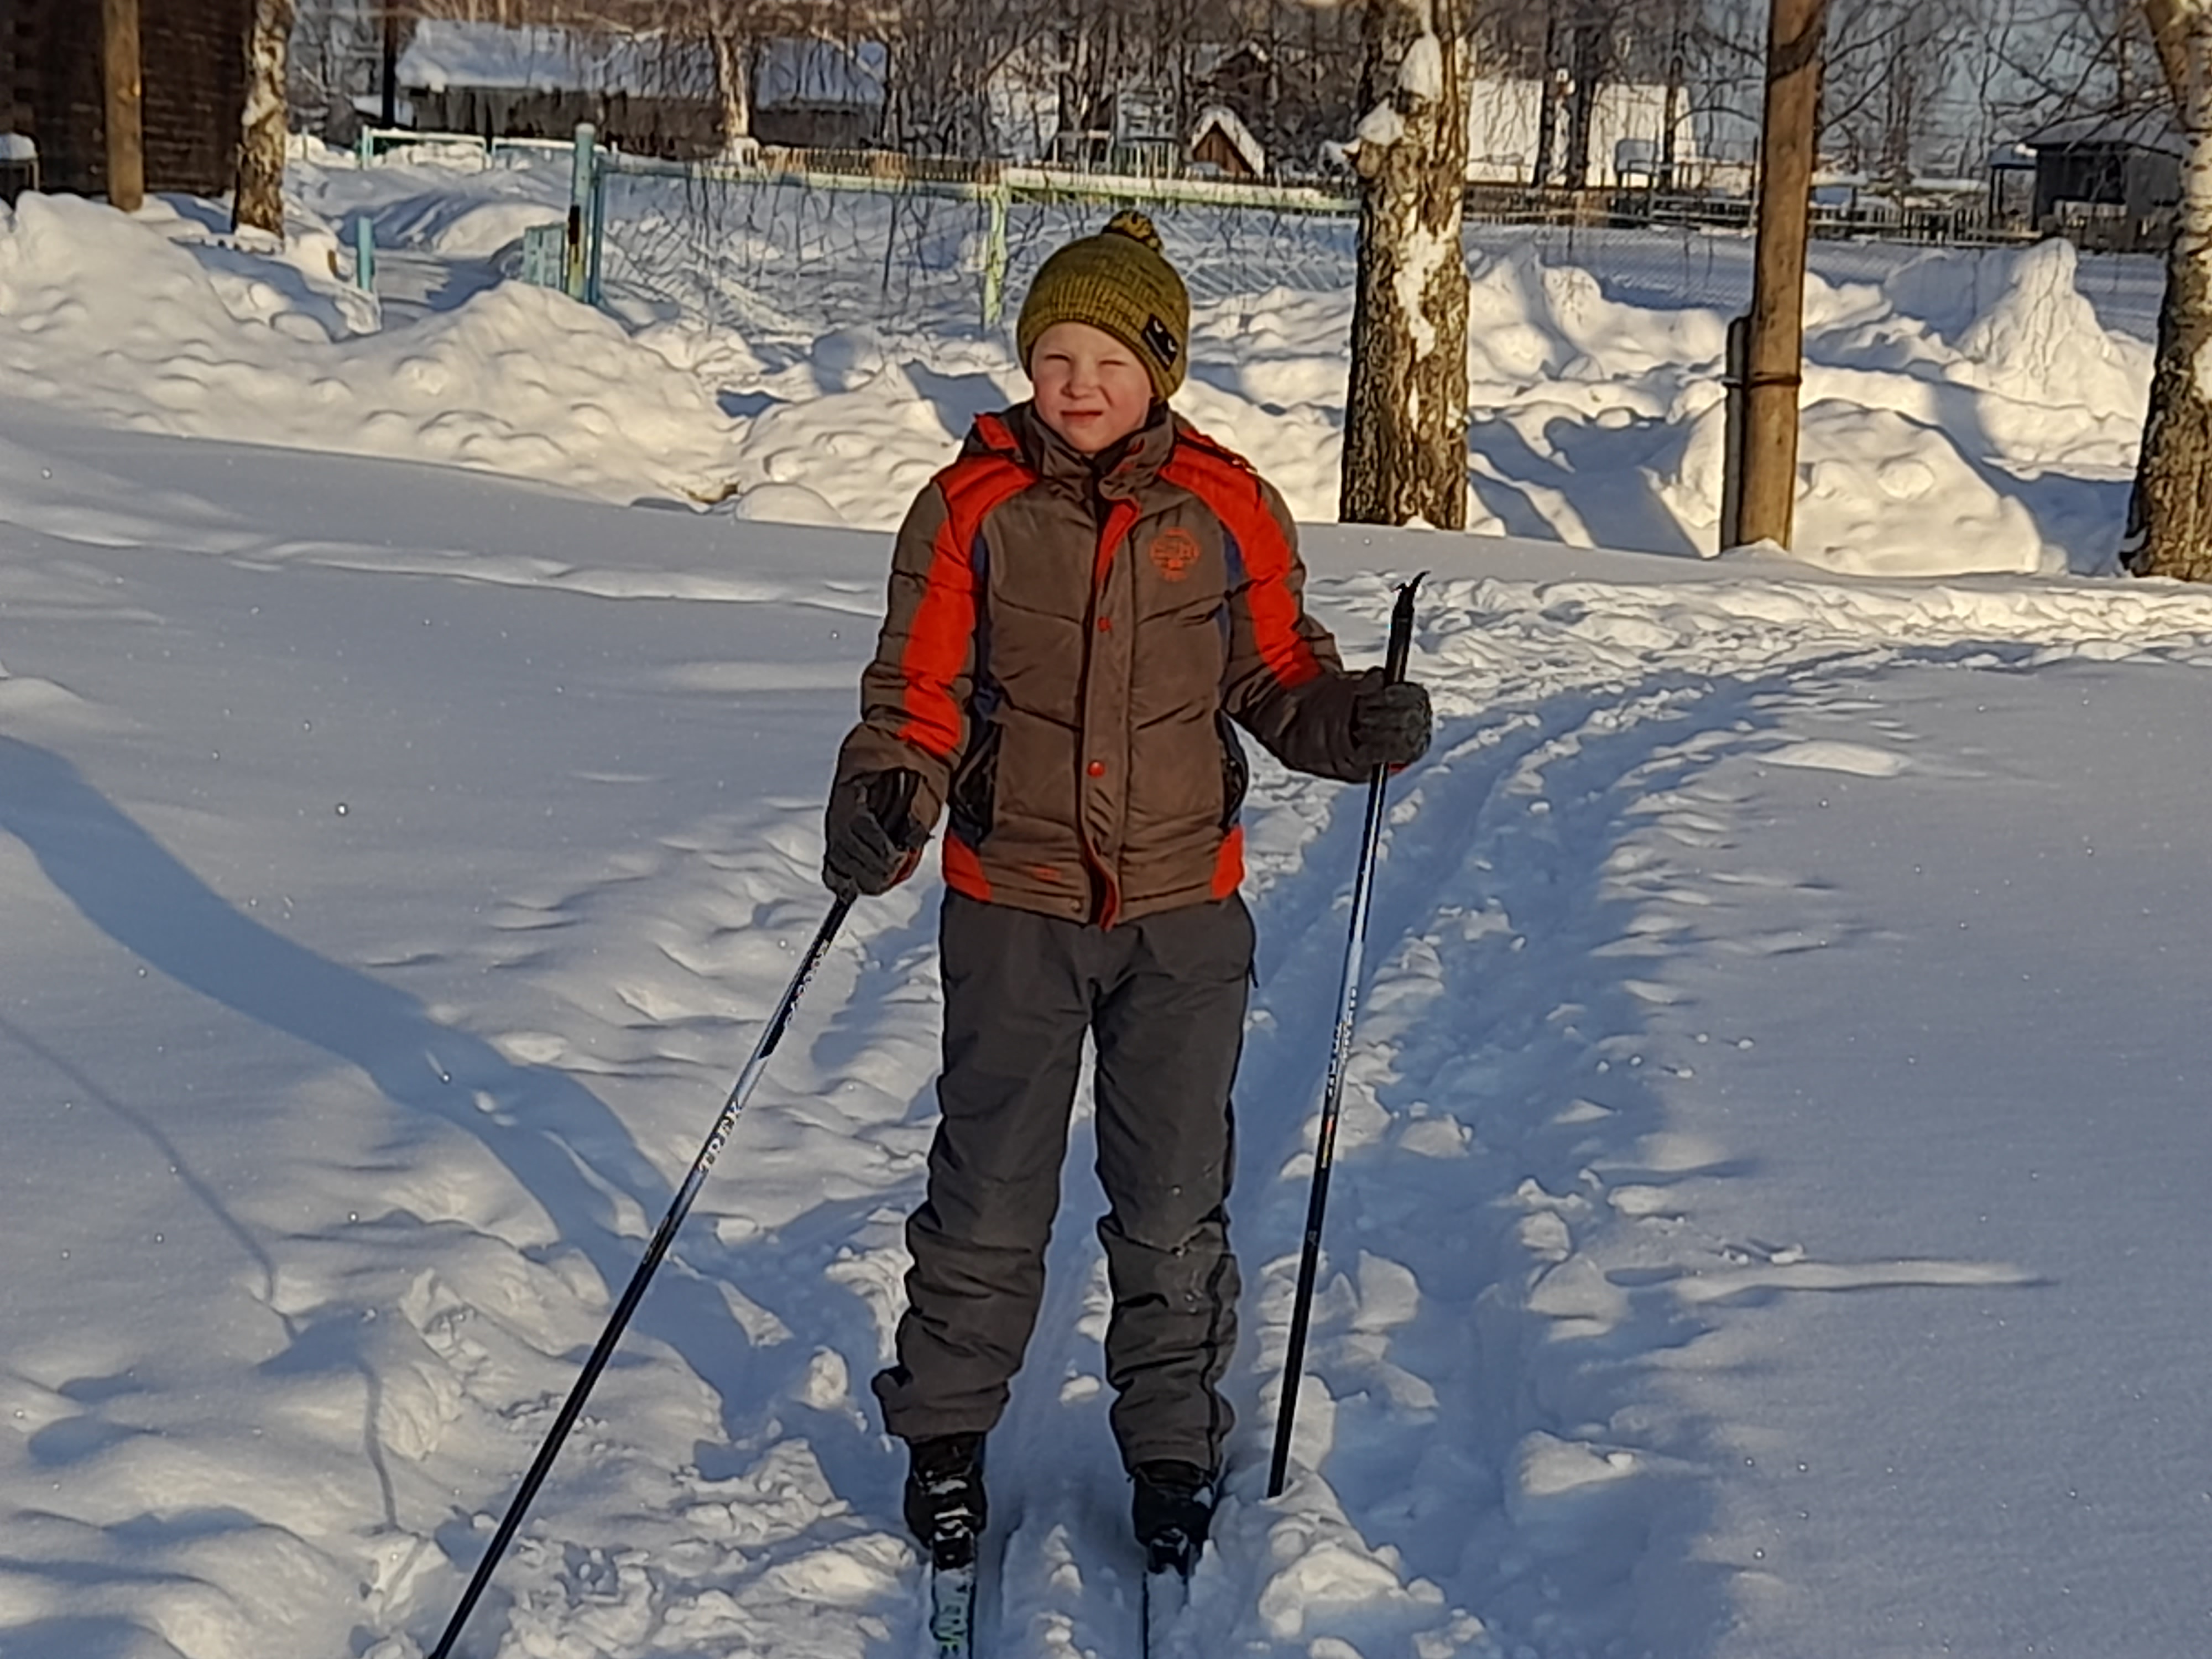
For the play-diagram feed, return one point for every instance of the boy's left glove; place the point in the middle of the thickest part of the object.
(871, 839)
(1390, 724)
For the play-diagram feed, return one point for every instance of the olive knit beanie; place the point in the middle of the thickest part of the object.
(1120, 281)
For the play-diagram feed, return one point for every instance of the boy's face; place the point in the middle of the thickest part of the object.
(1089, 388)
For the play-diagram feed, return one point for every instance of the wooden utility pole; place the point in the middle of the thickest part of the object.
(1774, 357)
(126, 132)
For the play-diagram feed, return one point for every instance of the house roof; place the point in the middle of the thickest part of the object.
(2142, 129)
(444, 55)
(1219, 117)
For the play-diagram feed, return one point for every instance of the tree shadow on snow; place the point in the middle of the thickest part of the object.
(556, 1139)
(958, 399)
(90, 1636)
(1597, 471)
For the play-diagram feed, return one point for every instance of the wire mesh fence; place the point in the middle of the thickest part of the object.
(793, 252)
(800, 246)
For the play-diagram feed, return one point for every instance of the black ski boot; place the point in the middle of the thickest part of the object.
(945, 1505)
(1172, 1509)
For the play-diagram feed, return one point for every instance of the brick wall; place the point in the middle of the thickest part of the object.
(193, 72)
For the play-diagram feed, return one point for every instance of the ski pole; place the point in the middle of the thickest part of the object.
(893, 803)
(1363, 887)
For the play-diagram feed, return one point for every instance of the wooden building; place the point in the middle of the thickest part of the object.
(2110, 183)
(1223, 146)
(819, 94)
(193, 73)
(652, 96)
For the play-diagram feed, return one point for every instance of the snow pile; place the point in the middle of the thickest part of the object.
(1871, 482)
(1965, 412)
(1573, 393)
(458, 209)
(165, 332)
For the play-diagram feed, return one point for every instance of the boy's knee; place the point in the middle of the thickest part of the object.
(1175, 1222)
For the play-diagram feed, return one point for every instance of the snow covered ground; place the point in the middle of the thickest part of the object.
(399, 858)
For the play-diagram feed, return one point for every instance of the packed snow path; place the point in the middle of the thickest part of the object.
(387, 916)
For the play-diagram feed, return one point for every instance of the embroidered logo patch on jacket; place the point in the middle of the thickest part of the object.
(1174, 550)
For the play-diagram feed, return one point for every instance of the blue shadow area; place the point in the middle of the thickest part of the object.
(136, 891)
(553, 1135)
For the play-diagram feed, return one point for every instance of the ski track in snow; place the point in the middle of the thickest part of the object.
(1511, 1238)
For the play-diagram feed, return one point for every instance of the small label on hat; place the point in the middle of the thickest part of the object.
(1162, 342)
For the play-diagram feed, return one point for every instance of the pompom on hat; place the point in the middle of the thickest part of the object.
(1120, 281)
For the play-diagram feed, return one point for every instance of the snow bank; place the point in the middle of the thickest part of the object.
(1923, 411)
(1967, 412)
(132, 323)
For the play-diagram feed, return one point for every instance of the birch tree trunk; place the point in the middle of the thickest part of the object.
(733, 74)
(1405, 428)
(259, 200)
(2170, 513)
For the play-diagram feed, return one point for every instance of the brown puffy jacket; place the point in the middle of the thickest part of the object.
(1066, 645)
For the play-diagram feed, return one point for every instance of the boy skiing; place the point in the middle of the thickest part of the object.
(1083, 607)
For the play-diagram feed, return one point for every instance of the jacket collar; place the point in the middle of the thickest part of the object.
(1018, 435)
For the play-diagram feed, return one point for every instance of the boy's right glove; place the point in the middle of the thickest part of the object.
(871, 834)
(1390, 723)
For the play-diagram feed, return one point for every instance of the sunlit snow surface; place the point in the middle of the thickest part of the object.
(1768, 1218)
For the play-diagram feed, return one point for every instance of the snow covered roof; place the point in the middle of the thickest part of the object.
(2145, 129)
(445, 55)
(1222, 118)
(792, 71)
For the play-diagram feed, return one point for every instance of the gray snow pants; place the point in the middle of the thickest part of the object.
(1162, 1000)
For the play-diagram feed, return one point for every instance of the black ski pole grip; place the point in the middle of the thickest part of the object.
(1402, 632)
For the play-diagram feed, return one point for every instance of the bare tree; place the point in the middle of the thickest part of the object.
(2067, 57)
(1574, 51)
(1404, 430)
(1881, 100)
(944, 56)
(259, 199)
(336, 47)
(2170, 513)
